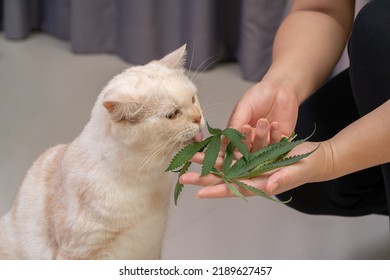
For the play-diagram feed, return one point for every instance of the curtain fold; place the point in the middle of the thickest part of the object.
(260, 20)
(139, 31)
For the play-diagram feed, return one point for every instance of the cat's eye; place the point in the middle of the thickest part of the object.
(172, 115)
(193, 99)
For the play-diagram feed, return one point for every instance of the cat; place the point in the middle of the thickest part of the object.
(106, 195)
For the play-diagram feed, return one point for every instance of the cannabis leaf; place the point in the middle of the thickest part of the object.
(179, 187)
(214, 131)
(211, 155)
(187, 153)
(228, 158)
(248, 166)
(236, 138)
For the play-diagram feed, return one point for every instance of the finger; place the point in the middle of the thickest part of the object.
(278, 182)
(275, 132)
(224, 144)
(193, 178)
(261, 134)
(220, 191)
(299, 173)
(246, 131)
(199, 158)
(285, 179)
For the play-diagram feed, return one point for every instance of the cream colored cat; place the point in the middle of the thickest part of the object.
(106, 195)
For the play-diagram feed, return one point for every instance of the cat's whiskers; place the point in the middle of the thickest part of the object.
(162, 151)
(209, 62)
(158, 151)
(192, 59)
(209, 108)
(153, 155)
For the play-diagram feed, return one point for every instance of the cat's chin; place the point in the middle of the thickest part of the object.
(197, 138)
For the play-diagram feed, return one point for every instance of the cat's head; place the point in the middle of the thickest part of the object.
(154, 104)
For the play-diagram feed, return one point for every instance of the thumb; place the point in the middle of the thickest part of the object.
(301, 172)
(284, 179)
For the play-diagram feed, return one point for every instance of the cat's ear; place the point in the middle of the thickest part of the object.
(122, 106)
(175, 59)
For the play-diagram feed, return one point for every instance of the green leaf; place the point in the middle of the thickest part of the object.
(179, 187)
(257, 191)
(236, 137)
(261, 169)
(228, 159)
(267, 155)
(187, 153)
(213, 131)
(264, 156)
(234, 190)
(211, 155)
(248, 166)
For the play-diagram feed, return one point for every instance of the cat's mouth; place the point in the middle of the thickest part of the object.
(196, 138)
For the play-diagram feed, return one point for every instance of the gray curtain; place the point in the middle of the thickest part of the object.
(142, 30)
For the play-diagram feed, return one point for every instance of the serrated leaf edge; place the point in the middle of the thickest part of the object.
(273, 152)
(211, 155)
(229, 156)
(258, 192)
(213, 131)
(236, 137)
(280, 161)
(179, 187)
(274, 165)
(191, 149)
(234, 190)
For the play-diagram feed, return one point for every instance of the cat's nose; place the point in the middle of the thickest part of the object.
(197, 119)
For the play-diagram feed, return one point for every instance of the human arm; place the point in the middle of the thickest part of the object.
(307, 45)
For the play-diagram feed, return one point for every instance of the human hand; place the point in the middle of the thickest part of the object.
(316, 167)
(269, 100)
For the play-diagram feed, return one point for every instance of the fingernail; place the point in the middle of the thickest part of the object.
(262, 124)
(245, 132)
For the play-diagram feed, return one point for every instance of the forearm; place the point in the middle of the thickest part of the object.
(363, 144)
(309, 43)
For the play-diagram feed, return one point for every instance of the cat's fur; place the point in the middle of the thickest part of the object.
(106, 195)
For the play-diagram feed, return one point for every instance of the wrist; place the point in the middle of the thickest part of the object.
(280, 86)
(294, 81)
(327, 162)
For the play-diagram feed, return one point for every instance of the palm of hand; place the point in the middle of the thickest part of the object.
(266, 100)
